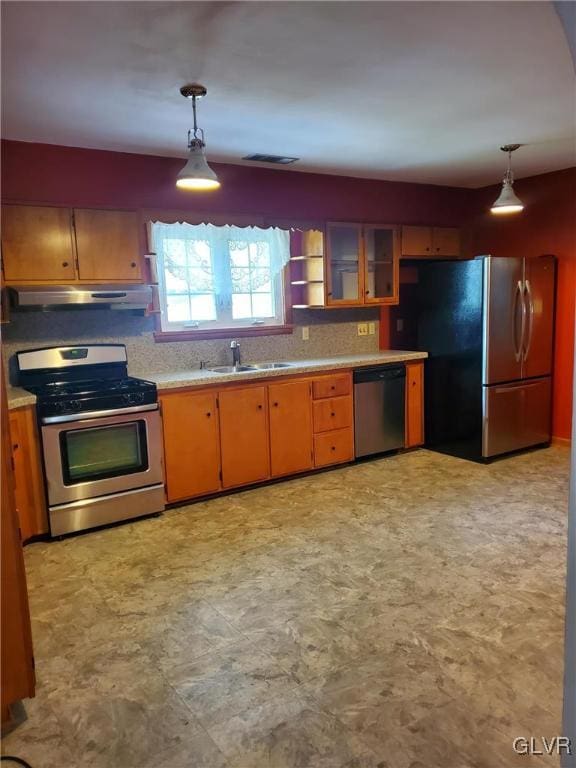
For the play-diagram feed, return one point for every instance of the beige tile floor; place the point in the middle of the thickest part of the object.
(406, 612)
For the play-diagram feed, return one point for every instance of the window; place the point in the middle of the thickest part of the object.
(220, 277)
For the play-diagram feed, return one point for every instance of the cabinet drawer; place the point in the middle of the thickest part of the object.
(333, 447)
(332, 386)
(334, 413)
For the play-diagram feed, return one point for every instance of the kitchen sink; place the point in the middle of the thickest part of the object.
(230, 369)
(247, 368)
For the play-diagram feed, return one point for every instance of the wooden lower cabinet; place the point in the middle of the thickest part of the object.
(28, 476)
(334, 447)
(191, 444)
(333, 413)
(290, 428)
(414, 404)
(244, 436)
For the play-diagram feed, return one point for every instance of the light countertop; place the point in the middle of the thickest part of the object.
(18, 397)
(203, 378)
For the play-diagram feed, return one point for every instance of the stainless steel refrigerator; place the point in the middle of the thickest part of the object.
(488, 326)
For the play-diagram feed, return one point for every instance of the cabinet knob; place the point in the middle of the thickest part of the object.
(333, 448)
(64, 263)
(332, 387)
(426, 249)
(367, 291)
(132, 264)
(329, 293)
(332, 414)
(260, 407)
(208, 414)
(275, 405)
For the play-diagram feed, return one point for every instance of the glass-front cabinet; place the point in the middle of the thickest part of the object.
(362, 264)
(343, 264)
(382, 254)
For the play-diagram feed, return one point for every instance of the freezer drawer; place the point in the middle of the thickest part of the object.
(515, 416)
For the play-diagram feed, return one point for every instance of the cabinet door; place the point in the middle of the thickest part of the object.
(108, 245)
(446, 241)
(290, 427)
(191, 444)
(414, 404)
(37, 243)
(381, 273)
(344, 264)
(28, 478)
(244, 436)
(416, 241)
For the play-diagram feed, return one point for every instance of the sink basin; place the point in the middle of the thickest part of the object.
(230, 368)
(268, 366)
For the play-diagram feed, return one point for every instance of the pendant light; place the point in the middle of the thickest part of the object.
(196, 174)
(507, 201)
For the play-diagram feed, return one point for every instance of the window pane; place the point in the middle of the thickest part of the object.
(178, 309)
(199, 254)
(259, 255)
(241, 306)
(203, 307)
(240, 280)
(174, 253)
(262, 305)
(238, 253)
(176, 280)
(260, 278)
(200, 281)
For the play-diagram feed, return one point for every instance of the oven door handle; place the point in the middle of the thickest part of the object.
(98, 414)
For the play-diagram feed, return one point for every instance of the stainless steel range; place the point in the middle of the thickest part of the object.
(101, 435)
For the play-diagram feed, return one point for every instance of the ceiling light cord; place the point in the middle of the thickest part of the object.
(193, 134)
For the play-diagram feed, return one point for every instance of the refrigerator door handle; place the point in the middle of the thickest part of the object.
(518, 300)
(530, 312)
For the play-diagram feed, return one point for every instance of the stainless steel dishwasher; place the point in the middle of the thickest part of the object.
(379, 409)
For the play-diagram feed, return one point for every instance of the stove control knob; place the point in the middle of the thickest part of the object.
(75, 405)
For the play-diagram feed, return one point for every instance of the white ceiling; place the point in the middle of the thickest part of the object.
(413, 91)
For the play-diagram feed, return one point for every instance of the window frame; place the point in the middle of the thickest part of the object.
(232, 329)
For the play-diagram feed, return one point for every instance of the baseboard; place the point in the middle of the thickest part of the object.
(565, 441)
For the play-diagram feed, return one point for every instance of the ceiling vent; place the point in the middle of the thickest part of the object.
(276, 159)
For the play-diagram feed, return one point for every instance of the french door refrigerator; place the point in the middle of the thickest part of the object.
(488, 326)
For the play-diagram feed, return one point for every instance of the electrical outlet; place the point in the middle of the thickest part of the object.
(305, 333)
(371, 329)
(362, 329)
(399, 324)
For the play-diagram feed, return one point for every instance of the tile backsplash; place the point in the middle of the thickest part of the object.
(332, 332)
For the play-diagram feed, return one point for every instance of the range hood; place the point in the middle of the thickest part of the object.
(53, 297)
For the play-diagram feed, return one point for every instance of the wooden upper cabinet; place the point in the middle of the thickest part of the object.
(191, 444)
(37, 244)
(290, 407)
(362, 264)
(109, 245)
(430, 242)
(244, 436)
(446, 241)
(414, 404)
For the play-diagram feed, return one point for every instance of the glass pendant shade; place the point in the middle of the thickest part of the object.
(197, 174)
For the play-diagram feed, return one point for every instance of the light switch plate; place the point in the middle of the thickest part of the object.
(362, 329)
(371, 329)
(305, 333)
(400, 324)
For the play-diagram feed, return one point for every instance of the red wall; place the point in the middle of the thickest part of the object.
(546, 225)
(68, 176)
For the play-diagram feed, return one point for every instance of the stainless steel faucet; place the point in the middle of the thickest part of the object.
(235, 347)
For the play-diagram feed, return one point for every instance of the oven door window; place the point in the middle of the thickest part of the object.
(97, 453)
